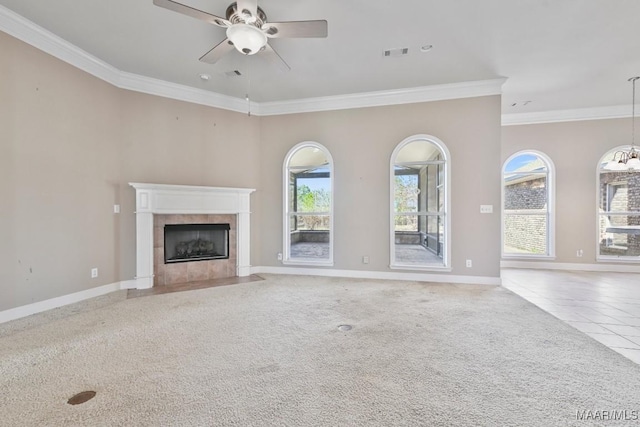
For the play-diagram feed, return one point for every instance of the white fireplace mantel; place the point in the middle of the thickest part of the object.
(186, 199)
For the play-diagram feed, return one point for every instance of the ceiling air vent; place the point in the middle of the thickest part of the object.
(234, 73)
(394, 53)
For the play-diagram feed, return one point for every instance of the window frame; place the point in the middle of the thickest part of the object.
(286, 219)
(610, 258)
(551, 207)
(446, 205)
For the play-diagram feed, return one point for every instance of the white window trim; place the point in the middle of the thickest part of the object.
(286, 235)
(609, 258)
(551, 208)
(446, 261)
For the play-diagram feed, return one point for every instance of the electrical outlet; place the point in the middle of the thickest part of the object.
(94, 273)
(579, 253)
(469, 263)
(116, 208)
(279, 256)
(486, 208)
(365, 259)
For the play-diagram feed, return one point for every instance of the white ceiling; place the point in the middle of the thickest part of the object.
(558, 54)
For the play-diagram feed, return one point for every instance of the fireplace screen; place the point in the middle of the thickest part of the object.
(195, 242)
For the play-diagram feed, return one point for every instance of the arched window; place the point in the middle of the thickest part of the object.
(527, 206)
(618, 211)
(420, 204)
(308, 205)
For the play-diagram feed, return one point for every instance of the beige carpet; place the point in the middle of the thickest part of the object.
(270, 353)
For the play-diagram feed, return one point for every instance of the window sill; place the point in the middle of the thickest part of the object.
(620, 260)
(309, 263)
(440, 269)
(529, 257)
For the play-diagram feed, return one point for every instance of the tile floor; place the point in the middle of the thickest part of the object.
(605, 306)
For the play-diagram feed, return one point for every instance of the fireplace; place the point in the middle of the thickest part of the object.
(188, 240)
(195, 242)
(158, 205)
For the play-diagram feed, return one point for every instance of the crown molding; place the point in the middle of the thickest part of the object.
(23, 29)
(151, 86)
(385, 97)
(556, 116)
(44, 40)
(40, 38)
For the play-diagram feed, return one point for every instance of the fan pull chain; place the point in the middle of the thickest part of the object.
(633, 111)
(248, 86)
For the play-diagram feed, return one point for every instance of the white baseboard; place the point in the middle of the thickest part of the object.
(613, 268)
(39, 307)
(383, 275)
(128, 284)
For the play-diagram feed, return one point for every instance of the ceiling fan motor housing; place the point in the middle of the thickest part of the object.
(236, 16)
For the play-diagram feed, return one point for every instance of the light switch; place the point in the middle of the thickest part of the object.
(486, 208)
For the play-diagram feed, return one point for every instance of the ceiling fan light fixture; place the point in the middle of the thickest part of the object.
(247, 39)
(247, 29)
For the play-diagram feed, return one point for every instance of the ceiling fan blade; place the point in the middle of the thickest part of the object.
(294, 29)
(247, 7)
(192, 12)
(272, 56)
(218, 51)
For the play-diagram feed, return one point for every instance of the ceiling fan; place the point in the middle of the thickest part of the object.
(248, 30)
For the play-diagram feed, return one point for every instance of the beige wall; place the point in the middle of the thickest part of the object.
(575, 149)
(361, 142)
(172, 142)
(62, 169)
(8, 263)
(70, 143)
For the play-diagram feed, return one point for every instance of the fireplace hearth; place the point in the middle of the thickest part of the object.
(195, 242)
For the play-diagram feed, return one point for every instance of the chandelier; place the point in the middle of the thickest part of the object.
(627, 160)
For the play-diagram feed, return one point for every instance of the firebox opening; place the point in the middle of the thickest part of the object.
(195, 242)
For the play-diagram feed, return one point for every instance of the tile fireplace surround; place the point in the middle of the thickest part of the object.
(181, 272)
(183, 203)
